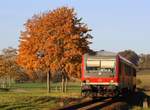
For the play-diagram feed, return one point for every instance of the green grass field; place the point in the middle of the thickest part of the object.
(72, 86)
(33, 96)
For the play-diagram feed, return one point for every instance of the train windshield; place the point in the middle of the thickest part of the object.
(100, 68)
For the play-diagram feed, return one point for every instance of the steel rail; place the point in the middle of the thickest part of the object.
(88, 104)
(95, 105)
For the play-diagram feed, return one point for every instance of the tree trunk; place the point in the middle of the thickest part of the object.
(9, 81)
(66, 81)
(48, 82)
(3, 83)
(62, 84)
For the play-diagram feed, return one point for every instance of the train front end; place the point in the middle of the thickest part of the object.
(99, 74)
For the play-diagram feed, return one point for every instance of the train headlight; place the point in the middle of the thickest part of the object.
(87, 81)
(111, 81)
(99, 73)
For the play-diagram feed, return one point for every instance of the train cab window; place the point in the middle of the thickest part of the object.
(109, 71)
(100, 72)
(88, 68)
(100, 68)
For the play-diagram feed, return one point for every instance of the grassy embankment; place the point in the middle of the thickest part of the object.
(33, 96)
(144, 85)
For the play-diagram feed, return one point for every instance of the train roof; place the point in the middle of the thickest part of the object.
(108, 54)
(102, 53)
(127, 61)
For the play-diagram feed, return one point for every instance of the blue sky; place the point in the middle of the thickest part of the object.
(116, 24)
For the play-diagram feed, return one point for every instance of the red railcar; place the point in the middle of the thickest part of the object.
(107, 74)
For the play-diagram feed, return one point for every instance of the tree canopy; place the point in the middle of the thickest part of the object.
(54, 40)
(8, 65)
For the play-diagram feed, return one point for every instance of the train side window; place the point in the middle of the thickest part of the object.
(129, 71)
(122, 69)
(126, 70)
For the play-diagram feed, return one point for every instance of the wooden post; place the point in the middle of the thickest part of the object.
(145, 103)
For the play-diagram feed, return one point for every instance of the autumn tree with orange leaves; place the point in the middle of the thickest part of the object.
(54, 42)
(9, 70)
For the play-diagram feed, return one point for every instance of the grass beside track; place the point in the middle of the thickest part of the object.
(144, 77)
(33, 96)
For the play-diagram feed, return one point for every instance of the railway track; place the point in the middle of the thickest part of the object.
(90, 104)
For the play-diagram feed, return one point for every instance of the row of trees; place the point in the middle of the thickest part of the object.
(144, 62)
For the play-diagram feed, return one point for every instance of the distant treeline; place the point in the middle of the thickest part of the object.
(144, 62)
